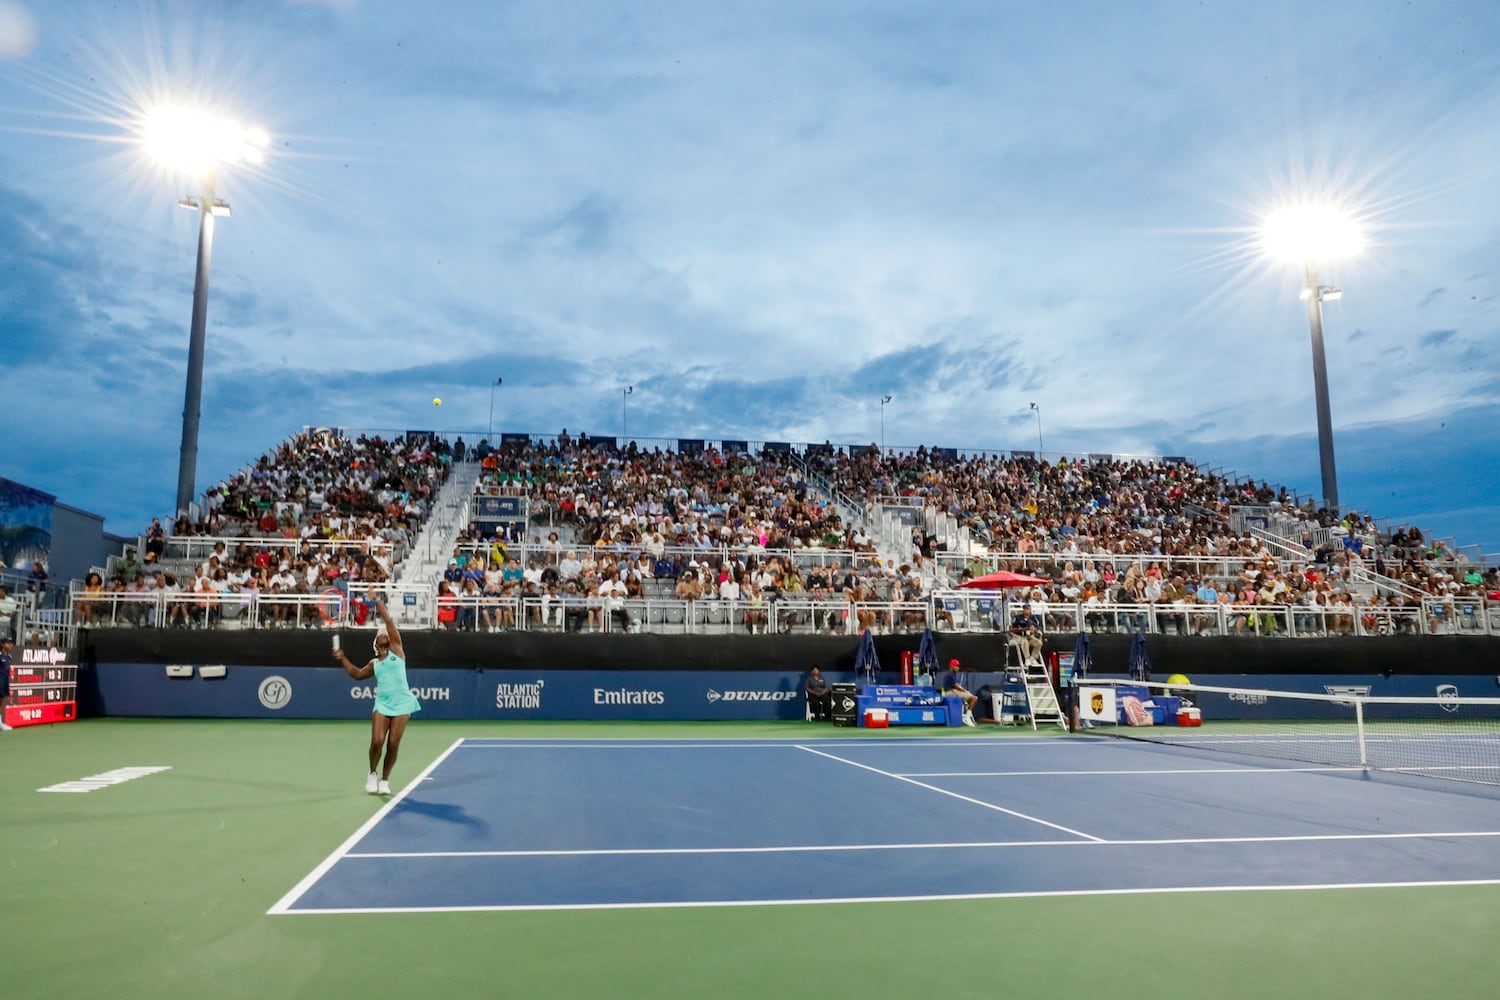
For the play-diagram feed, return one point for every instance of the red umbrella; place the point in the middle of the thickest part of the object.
(1003, 580)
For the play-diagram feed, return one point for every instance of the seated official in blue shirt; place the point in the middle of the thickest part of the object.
(1026, 630)
(953, 685)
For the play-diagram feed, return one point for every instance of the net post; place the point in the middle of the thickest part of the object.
(1359, 728)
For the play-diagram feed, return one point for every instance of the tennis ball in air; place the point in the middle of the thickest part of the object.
(1178, 679)
(437, 402)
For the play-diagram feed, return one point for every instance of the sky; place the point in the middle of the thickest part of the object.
(764, 218)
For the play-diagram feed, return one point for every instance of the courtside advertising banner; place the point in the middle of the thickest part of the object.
(296, 692)
(231, 691)
(1096, 704)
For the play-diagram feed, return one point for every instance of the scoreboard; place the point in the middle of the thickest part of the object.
(43, 688)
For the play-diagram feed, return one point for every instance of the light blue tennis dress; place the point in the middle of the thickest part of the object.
(393, 695)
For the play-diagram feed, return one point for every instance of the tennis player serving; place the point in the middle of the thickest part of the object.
(394, 702)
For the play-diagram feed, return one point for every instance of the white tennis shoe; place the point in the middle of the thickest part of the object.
(385, 788)
(372, 783)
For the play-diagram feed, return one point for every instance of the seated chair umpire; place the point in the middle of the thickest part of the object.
(1027, 632)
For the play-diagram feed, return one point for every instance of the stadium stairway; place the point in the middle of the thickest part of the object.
(450, 515)
(890, 547)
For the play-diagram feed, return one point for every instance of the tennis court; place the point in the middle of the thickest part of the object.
(736, 860)
(499, 824)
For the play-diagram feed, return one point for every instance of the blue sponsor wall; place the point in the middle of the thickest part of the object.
(329, 693)
(456, 694)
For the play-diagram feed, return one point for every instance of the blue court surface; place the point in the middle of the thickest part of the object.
(546, 824)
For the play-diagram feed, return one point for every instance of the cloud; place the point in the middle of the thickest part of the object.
(584, 228)
(1436, 338)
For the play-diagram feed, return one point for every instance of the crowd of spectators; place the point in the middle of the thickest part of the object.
(724, 525)
(706, 526)
(323, 484)
(225, 584)
(639, 497)
(1104, 508)
(319, 513)
(1089, 527)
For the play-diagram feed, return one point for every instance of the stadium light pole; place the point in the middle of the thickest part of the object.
(196, 144)
(1308, 235)
(493, 386)
(883, 400)
(624, 422)
(1038, 411)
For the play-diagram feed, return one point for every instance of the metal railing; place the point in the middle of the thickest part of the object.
(1462, 614)
(956, 611)
(805, 559)
(191, 549)
(49, 627)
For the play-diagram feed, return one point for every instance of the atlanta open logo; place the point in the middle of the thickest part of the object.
(274, 692)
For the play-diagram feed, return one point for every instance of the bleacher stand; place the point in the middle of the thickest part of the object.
(660, 540)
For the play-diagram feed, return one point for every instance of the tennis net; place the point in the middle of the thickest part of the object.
(1448, 736)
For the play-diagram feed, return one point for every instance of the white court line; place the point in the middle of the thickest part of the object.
(969, 845)
(282, 905)
(1337, 739)
(1035, 894)
(1164, 770)
(787, 742)
(1425, 768)
(961, 798)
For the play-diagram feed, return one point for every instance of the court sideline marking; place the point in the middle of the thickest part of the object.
(787, 742)
(944, 845)
(956, 795)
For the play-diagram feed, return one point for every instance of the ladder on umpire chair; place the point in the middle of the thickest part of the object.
(1041, 699)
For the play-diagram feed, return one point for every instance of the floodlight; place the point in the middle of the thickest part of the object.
(1308, 232)
(194, 142)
